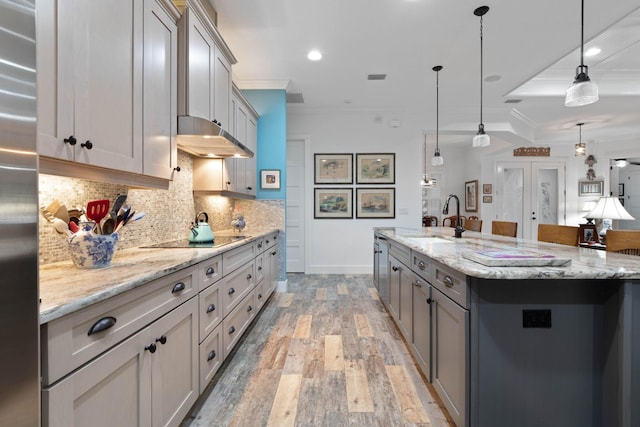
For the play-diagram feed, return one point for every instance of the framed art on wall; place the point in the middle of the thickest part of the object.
(375, 168)
(375, 202)
(270, 179)
(486, 188)
(333, 168)
(588, 233)
(590, 188)
(333, 203)
(471, 196)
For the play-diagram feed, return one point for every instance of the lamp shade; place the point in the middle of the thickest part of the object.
(481, 140)
(581, 93)
(609, 208)
(437, 159)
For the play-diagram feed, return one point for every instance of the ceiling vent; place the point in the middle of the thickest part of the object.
(295, 98)
(376, 76)
(512, 101)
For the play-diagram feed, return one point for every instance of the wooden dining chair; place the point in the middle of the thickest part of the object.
(623, 241)
(473, 217)
(450, 221)
(504, 228)
(562, 234)
(473, 224)
(429, 221)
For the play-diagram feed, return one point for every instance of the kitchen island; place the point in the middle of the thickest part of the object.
(554, 340)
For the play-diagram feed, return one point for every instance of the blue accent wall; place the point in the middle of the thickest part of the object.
(271, 104)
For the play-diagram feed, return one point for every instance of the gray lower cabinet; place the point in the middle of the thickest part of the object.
(421, 344)
(395, 269)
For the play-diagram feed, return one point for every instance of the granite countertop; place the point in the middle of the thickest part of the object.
(584, 263)
(65, 288)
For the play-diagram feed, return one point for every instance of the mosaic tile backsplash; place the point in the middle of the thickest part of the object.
(169, 213)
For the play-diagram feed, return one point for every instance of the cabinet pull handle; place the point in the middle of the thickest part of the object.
(88, 145)
(71, 140)
(249, 188)
(102, 325)
(394, 268)
(178, 287)
(249, 309)
(162, 340)
(429, 300)
(448, 281)
(259, 268)
(248, 276)
(232, 291)
(151, 347)
(211, 356)
(417, 283)
(259, 245)
(422, 265)
(211, 308)
(210, 271)
(232, 330)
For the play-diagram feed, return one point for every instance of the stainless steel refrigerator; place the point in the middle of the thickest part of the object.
(19, 314)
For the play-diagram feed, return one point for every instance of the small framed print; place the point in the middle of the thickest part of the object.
(333, 168)
(375, 168)
(471, 196)
(375, 202)
(333, 203)
(487, 199)
(270, 179)
(588, 233)
(487, 188)
(590, 188)
(620, 189)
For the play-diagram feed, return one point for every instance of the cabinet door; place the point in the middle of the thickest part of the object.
(376, 265)
(407, 280)
(394, 287)
(450, 358)
(200, 71)
(160, 91)
(174, 365)
(273, 270)
(422, 326)
(222, 90)
(251, 164)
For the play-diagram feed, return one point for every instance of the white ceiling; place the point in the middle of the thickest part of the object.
(533, 48)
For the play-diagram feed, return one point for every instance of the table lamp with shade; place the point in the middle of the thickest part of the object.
(608, 208)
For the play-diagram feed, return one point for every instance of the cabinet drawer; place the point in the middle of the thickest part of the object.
(400, 252)
(270, 241)
(237, 257)
(209, 271)
(451, 283)
(210, 307)
(211, 357)
(234, 325)
(235, 286)
(260, 268)
(76, 338)
(259, 245)
(421, 265)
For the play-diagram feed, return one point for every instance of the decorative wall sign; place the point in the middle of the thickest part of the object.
(270, 179)
(471, 196)
(333, 168)
(532, 151)
(375, 203)
(333, 203)
(375, 168)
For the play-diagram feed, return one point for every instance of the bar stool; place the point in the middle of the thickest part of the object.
(504, 228)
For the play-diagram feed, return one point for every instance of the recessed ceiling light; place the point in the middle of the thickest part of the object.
(593, 51)
(314, 55)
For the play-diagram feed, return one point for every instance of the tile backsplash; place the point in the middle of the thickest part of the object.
(169, 213)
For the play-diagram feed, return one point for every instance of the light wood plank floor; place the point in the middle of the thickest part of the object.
(326, 353)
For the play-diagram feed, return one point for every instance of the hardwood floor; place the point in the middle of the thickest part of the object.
(326, 353)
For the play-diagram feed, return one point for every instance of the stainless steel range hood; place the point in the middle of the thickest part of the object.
(204, 138)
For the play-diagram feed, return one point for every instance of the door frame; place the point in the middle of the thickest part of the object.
(307, 206)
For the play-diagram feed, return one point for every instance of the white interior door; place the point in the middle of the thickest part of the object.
(295, 206)
(631, 181)
(531, 193)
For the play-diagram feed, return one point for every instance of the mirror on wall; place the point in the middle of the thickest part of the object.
(625, 183)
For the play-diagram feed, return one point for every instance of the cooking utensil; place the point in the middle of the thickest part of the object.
(109, 222)
(96, 210)
(61, 227)
(200, 231)
(122, 214)
(125, 221)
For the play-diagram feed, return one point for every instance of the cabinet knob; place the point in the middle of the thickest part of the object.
(422, 265)
(177, 169)
(259, 268)
(249, 276)
(394, 268)
(88, 145)
(162, 340)
(249, 309)
(211, 308)
(417, 284)
(249, 188)
(211, 356)
(259, 296)
(232, 330)
(448, 281)
(274, 252)
(151, 347)
(210, 271)
(71, 140)
(429, 300)
(232, 291)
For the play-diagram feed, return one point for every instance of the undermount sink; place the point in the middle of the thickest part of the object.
(425, 240)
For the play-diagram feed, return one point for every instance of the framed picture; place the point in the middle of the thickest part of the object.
(588, 233)
(487, 199)
(487, 188)
(333, 168)
(620, 189)
(590, 188)
(270, 179)
(333, 203)
(471, 196)
(372, 168)
(375, 202)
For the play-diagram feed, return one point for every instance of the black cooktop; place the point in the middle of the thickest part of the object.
(185, 243)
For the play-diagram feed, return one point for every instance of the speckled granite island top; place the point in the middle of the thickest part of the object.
(439, 244)
(65, 288)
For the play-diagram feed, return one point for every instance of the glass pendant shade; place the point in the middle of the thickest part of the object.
(581, 93)
(581, 149)
(481, 139)
(437, 159)
(609, 208)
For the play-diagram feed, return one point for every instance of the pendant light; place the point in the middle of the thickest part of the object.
(481, 139)
(583, 91)
(426, 181)
(581, 147)
(437, 159)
